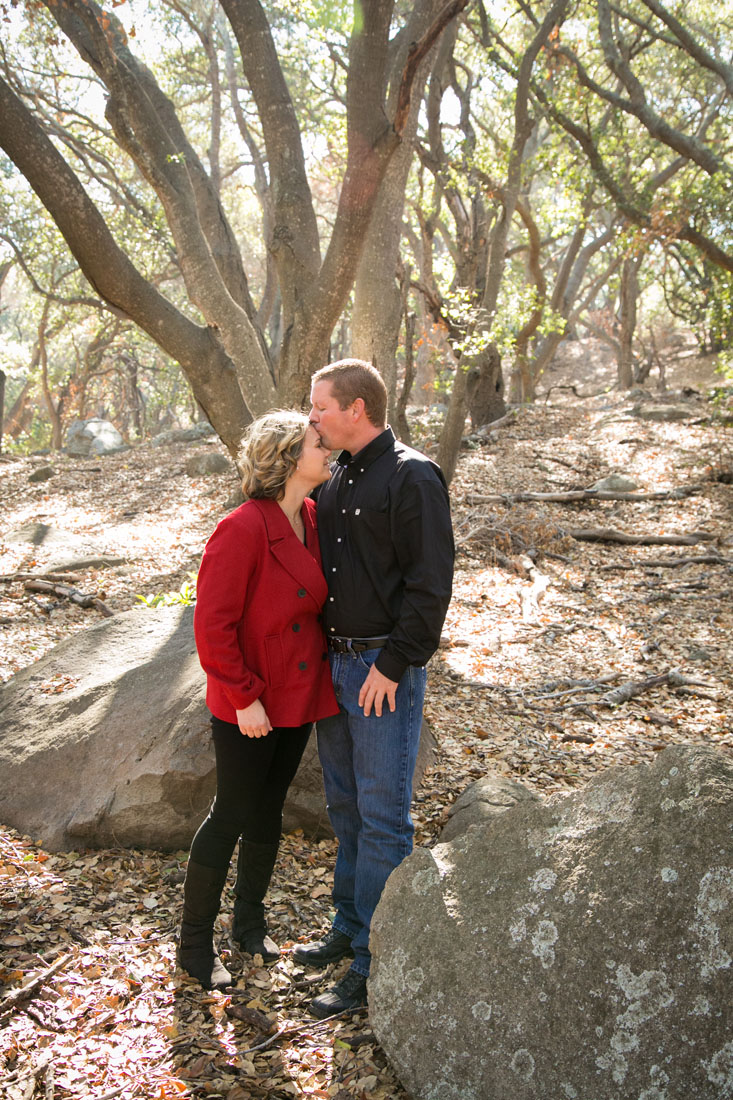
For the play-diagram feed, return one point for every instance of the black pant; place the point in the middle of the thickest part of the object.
(252, 779)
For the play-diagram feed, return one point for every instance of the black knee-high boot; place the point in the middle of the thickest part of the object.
(254, 870)
(201, 901)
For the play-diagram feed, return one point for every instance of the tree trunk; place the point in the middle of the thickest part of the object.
(629, 295)
(485, 388)
(454, 426)
(378, 307)
(403, 427)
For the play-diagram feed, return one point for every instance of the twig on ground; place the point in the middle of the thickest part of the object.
(571, 496)
(632, 688)
(670, 563)
(289, 1029)
(21, 1075)
(12, 999)
(66, 591)
(607, 534)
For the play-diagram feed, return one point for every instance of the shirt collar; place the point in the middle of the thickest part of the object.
(370, 453)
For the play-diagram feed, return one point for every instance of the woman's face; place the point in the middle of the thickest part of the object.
(313, 462)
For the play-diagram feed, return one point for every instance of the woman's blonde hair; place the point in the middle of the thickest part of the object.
(270, 451)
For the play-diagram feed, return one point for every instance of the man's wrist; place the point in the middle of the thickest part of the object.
(390, 666)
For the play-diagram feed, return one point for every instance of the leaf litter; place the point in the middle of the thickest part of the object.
(559, 659)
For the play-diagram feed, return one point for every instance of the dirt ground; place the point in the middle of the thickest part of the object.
(546, 622)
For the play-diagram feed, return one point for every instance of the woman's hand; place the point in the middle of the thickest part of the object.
(253, 720)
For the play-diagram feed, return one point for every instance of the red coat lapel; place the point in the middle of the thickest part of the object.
(289, 551)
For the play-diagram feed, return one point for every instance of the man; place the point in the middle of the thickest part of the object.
(387, 547)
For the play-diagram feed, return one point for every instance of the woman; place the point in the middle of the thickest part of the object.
(261, 644)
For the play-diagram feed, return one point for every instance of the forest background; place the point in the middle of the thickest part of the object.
(522, 214)
(203, 203)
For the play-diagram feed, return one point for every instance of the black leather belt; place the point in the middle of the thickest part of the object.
(355, 645)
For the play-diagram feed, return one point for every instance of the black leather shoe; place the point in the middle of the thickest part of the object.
(334, 946)
(350, 992)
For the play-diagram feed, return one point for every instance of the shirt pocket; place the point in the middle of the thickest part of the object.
(371, 533)
(275, 660)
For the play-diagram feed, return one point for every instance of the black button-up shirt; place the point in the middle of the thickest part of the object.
(387, 547)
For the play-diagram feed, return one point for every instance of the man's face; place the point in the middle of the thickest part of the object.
(333, 424)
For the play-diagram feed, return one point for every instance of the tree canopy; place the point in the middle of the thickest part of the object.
(255, 187)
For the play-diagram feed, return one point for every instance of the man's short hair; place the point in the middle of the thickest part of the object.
(352, 378)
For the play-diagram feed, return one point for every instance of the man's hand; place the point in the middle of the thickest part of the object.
(253, 721)
(375, 689)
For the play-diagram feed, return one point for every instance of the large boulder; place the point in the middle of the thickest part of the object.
(56, 550)
(106, 740)
(211, 462)
(194, 434)
(94, 437)
(487, 797)
(578, 949)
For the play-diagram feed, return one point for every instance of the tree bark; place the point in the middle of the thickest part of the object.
(207, 366)
(628, 294)
(2, 406)
(523, 126)
(378, 306)
(485, 388)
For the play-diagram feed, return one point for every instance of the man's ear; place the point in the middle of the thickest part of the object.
(357, 408)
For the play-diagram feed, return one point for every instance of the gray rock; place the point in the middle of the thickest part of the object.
(615, 483)
(85, 561)
(121, 754)
(665, 414)
(94, 436)
(41, 473)
(580, 948)
(39, 534)
(483, 799)
(59, 551)
(205, 464)
(193, 434)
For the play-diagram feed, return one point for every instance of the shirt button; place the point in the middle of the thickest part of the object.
(331, 599)
(296, 627)
(333, 568)
(338, 540)
(351, 481)
(343, 511)
(333, 629)
(302, 665)
(301, 592)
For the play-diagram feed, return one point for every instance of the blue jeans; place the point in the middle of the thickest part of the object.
(368, 765)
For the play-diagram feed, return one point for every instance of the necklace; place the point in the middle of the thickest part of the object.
(296, 522)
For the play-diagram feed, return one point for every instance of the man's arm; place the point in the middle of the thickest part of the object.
(423, 538)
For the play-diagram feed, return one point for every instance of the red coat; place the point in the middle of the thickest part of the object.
(257, 618)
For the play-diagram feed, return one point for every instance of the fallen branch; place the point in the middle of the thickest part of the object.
(632, 688)
(671, 563)
(31, 1074)
(292, 1029)
(66, 591)
(23, 992)
(574, 495)
(607, 534)
(508, 418)
(9, 578)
